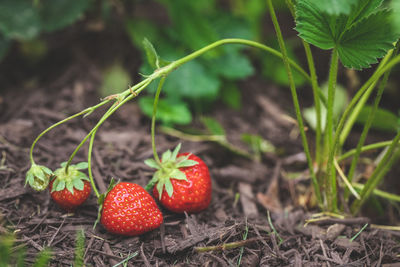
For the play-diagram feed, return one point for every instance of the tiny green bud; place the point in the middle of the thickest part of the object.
(38, 177)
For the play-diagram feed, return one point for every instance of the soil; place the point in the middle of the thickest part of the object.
(257, 215)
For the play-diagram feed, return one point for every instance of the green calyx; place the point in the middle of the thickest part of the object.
(168, 168)
(38, 177)
(71, 179)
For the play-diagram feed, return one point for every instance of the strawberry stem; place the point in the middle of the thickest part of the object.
(90, 165)
(153, 119)
(88, 110)
(139, 87)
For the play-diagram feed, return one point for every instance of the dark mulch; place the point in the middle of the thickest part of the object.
(121, 146)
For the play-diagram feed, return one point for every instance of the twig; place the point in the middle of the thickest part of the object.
(56, 233)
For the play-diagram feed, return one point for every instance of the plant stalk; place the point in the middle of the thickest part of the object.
(153, 119)
(90, 165)
(330, 171)
(295, 100)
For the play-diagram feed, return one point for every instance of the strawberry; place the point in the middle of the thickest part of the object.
(70, 189)
(130, 210)
(182, 182)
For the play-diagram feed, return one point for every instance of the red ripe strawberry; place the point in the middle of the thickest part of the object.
(70, 189)
(183, 180)
(129, 210)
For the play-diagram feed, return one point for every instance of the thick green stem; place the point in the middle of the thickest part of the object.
(330, 171)
(316, 92)
(317, 103)
(90, 164)
(91, 109)
(295, 100)
(377, 175)
(153, 119)
(106, 115)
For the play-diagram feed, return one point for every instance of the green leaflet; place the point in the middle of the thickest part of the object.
(168, 111)
(335, 6)
(361, 36)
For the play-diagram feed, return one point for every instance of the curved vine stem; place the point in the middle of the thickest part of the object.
(106, 115)
(86, 111)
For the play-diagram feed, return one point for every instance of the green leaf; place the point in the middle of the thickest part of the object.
(56, 14)
(213, 126)
(151, 53)
(195, 30)
(168, 111)
(231, 95)
(166, 156)
(274, 69)
(160, 187)
(29, 177)
(46, 170)
(367, 40)
(78, 184)
(19, 19)
(60, 185)
(395, 5)
(55, 184)
(187, 163)
(257, 143)
(179, 175)
(169, 188)
(361, 36)
(82, 166)
(383, 120)
(152, 163)
(63, 164)
(313, 25)
(232, 65)
(192, 81)
(335, 6)
(70, 187)
(176, 151)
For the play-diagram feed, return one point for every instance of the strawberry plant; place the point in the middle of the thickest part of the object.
(358, 33)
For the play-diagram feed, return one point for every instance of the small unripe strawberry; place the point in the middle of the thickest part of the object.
(38, 177)
(71, 188)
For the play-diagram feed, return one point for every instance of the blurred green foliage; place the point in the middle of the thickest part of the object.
(191, 25)
(12, 255)
(194, 25)
(24, 20)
